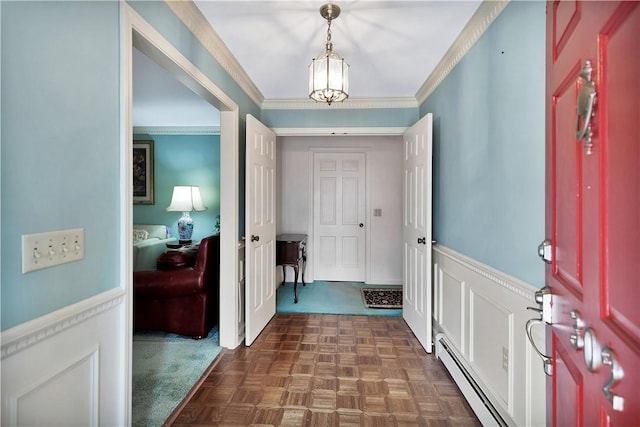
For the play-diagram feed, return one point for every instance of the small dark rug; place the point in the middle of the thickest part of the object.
(382, 297)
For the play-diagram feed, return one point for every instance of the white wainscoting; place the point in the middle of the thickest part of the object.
(483, 312)
(68, 367)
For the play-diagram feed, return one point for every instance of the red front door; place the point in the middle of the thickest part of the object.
(593, 212)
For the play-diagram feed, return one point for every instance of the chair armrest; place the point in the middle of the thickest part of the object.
(167, 284)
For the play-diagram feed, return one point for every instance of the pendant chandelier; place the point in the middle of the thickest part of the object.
(328, 73)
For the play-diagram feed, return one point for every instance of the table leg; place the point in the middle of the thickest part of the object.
(284, 273)
(295, 285)
(304, 267)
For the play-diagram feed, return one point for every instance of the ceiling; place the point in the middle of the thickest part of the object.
(391, 46)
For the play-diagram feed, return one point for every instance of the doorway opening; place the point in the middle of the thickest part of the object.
(139, 34)
(380, 158)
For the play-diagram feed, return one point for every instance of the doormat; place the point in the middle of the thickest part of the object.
(382, 297)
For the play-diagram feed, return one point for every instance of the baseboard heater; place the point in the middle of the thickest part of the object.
(482, 407)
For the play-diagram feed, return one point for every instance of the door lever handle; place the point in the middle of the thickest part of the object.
(547, 363)
(609, 358)
(255, 238)
(537, 310)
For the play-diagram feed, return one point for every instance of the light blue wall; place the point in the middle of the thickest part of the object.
(60, 154)
(183, 160)
(489, 126)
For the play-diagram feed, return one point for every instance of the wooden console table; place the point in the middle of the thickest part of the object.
(290, 251)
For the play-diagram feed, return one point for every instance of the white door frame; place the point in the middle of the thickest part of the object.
(135, 31)
(310, 242)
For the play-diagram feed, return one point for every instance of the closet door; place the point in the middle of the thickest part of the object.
(339, 216)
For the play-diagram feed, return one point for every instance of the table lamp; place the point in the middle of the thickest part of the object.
(186, 198)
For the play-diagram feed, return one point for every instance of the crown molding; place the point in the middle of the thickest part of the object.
(348, 104)
(177, 130)
(340, 131)
(193, 19)
(191, 16)
(487, 12)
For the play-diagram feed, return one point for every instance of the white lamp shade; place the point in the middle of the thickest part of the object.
(186, 198)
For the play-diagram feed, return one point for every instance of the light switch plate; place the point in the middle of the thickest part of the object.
(42, 250)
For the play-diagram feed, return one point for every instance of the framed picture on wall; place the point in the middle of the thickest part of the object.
(143, 172)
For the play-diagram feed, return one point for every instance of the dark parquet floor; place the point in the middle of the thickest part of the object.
(328, 370)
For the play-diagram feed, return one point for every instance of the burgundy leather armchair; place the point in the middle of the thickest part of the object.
(181, 296)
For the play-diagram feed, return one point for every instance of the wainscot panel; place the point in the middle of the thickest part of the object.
(481, 312)
(58, 369)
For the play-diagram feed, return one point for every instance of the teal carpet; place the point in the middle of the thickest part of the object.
(165, 368)
(329, 298)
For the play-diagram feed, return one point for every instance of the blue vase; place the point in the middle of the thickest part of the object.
(185, 228)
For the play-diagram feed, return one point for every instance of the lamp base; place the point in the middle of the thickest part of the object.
(184, 242)
(185, 227)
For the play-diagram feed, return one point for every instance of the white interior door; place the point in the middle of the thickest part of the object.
(260, 228)
(339, 216)
(417, 287)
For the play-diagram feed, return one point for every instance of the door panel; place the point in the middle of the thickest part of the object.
(260, 283)
(568, 387)
(350, 252)
(568, 227)
(622, 160)
(350, 201)
(566, 17)
(593, 213)
(417, 285)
